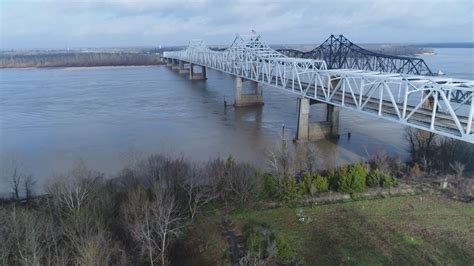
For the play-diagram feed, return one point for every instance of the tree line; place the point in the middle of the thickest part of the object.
(138, 216)
(77, 59)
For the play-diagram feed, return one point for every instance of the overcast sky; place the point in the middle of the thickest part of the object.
(114, 23)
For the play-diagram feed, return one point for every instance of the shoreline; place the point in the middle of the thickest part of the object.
(81, 67)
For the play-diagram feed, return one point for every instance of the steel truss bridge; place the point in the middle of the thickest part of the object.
(339, 52)
(429, 103)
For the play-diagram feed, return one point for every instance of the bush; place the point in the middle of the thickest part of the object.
(270, 187)
(285, 254)
(352, 180)
(259, 240)
(333, 178)
(388, 181)
(321, 183)
(374, 178)
(313, 183)
(306, 185)
(289, 189)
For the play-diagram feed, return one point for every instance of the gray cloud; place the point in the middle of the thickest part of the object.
(171, 22)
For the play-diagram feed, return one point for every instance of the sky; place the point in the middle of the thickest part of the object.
(27, 24)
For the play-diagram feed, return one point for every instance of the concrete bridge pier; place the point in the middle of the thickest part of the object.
(197, 76)
(307, 131)
(252, 99)
(169, 62)
(175, 65)
(182, 68)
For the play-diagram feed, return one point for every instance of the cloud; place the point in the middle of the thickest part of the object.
(171, 22)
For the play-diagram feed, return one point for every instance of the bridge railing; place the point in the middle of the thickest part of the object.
(416, 101)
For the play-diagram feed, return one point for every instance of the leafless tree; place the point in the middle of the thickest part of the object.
(28, 187)
(305, 158)
(169, 222)
(243, 183)
(198, 189)
(28, 233)
(281, 159)
(458, 168)
(421, 143)
(6, 239)
(74, 189)
(153, 221)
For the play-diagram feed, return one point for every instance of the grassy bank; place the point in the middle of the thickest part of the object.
(422, 229)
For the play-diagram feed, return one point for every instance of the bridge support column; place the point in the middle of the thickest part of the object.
(169, 62)
(307, 131)
(175, 65)
(197, 76)
(182, 69)
(252, 99)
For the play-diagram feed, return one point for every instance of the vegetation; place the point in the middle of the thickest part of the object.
(410, 230)
(438, 153)
(169, 210)
(77, 59)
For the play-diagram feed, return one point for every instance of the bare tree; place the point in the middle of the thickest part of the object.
(169, 222)
(281, 159)
(28, 233)
(421, 143)
(199, 190)
(6, 239)
(458, 168)
(28, 187)
(153, 221)
(74, 189)
(139, 222)
(243, 182)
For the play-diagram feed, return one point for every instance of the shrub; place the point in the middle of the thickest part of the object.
(289, 189)
(285, 254)
(321, 183)
(333, 178)
(374, 178)
(313, 183)
(259, 240)
(306, 184)
(270, 187)
(388, 181)
(352, 180)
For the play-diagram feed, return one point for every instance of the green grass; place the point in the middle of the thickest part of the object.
(402, 230)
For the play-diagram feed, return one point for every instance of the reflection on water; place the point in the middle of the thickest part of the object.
(51, 118)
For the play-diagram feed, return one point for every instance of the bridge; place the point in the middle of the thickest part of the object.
(441, 105)
(339, 52)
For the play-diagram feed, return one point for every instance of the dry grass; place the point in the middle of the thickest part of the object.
(404, 230)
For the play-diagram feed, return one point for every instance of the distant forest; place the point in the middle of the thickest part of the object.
(399, 50)
(76, 59)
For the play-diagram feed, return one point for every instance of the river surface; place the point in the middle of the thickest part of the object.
(50, 119)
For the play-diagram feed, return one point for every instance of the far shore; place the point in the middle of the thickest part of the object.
(80, 67)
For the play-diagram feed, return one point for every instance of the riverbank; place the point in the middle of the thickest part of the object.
(77, 59)
(157, 208)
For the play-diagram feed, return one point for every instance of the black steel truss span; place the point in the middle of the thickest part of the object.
(340, 53)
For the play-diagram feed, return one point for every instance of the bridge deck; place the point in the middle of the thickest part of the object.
(405, 99)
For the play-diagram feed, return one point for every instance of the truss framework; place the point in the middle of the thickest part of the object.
(339, 52)
(422, 102)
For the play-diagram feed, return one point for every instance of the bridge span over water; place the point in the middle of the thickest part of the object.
(441, 105)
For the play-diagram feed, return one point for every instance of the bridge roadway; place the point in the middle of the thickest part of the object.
(416, 101)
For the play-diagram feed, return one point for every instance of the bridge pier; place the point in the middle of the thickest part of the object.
(252, 99)
(169, 62)
(197, 76)
(175, 65)
(182, 68)
(307, 131)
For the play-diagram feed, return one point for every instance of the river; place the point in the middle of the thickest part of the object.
(50, 119)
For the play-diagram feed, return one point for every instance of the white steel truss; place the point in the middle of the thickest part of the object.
(422, 102)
